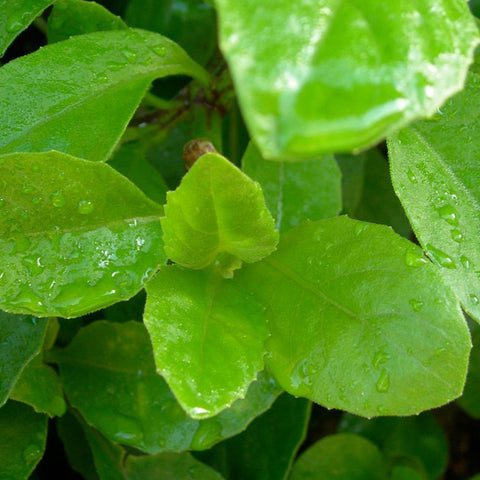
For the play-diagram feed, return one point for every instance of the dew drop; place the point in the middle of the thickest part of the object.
(14, 23)
(31, 452)
(412, 177)
(449, 214)
(57, 199)
(160, 50)
(2, 202)
(417, 305)
(474, 299)
(85, 207)
(360, 228)
(27, 189)
(383, 383)
(208, 432)
(457, 235)
(130, 56)
(415, 259)
(441, 258)
(465, 261)
(379, 359)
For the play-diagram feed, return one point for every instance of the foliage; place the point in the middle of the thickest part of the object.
(163, 304)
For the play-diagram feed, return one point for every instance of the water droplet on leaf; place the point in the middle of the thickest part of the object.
(417, 305)
(449, 214)
(57, 199)
(85, 207)
(383, 383)
(441, 258)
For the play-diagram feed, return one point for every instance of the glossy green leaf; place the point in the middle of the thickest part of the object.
(76, 17)
(16, 16)
(76, 446)
(130, 162)
(217, 209)
(109, 375)
(333, 75)
(208, 337)
(369, 192)
(405, 439)
(22, 441)
(340, 457)
(295, 192)
(21, 338)
(190, 23)
(39, 387)
(349, 306)
(76, 236)
(470, 400)
(265, 451)
(77, 96)
(435, 174)
(114, 463)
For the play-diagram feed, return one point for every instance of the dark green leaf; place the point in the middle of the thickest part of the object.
(349, 306)
(16, 16)
(190, 23)
(76, 446)
(21, 338)
(217, 209)
(372, 198)
(208, 337)
(340, 457)
(470, 400)
(39, 387)
(75, 17)
(75, 235)
(108, 373)
(265, 451)
(22, 441)
(336, 75)
(129, 160)
(405, 439)
(77, 96)
(352, 168)
(405, 473)
(295, 192)
(113, 463)
(435, 174)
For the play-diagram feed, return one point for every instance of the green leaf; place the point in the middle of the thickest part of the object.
(295, 192)
(349, 306)
(369, 191)
(207, 334)
(76, 236)
(470, 400)
(16, 16)
(340, 457)
(114, 463)
(267, 448)
(336, 75)
(109, 375)
(405, 473)
(401, 440)
(76, 446)
(22, 441)
(21, 338)
(39, 387)
(75, 17)
(217, 209)
(435, 174)
(77, 96)
(130, 162)
(190, 23)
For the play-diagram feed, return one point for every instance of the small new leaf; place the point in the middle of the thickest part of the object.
(217, 209)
